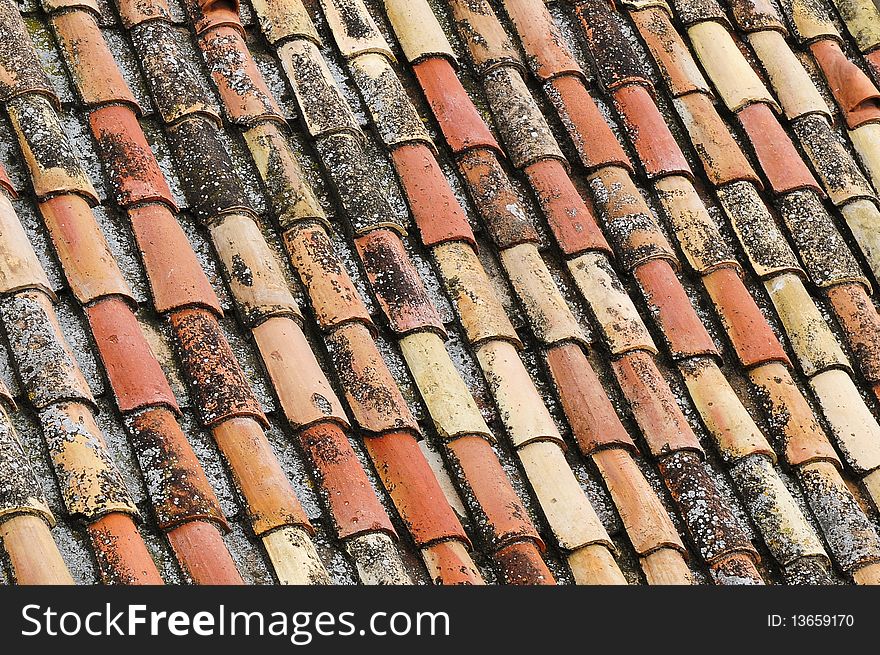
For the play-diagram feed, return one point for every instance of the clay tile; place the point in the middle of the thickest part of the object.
(507, 519)
(669, 51)
(414, 489)
(89, 266)
(285, 19)
(795, 89)
(572, 222)
(218, 383)
(396, 119)
(571, 517)
(175, 86)
(790, 417)
(246, 98)
(174, 273)
(776, 154)
(181, 492)
(397, 285)
(354, 507)
(214, 14)
(691, 12)
(436, 210)
(90, 61)
(718, 531)
(479, 308)
(131, 167)
(20, 491)
(595, 143)
(210, 183)
(616, 61)
(292, 197)
(682, 329)
(354, 29)
(135, 12)
(497, 202)
(862, 218)
(451, 406)
(303, 390)
(461, 124)
(646, 128)
(866, 142)
(51, 160)
(757, 16)
(524, 131)
(733, 430)
(854, 92)
(6, 184)
(873, 59)
(697, 232)
(811, 338)
(19, 267)
(267, 493)
(760, 237)
(811, 20)
(120, 552)
(548, 314)
(621, 325)
(862, 18)
(449, 563)
(320, 100)
(653, 405)
(826, 256)
(353, 173)
(334, 298)
(91, 485)
(521, 564)
(52, 6)
(134, 373)
(546, 51)
(859, 319)
(372, 394)
(590, 414)
(418, 30)
(202, 553)
(252, 271)
(736, 81)
(20, 70)
(484, 36)
(745, 325)
(627, 218)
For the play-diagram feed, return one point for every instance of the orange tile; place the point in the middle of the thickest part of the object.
(589, 412)
(89, 60)
(449, 563)
(777, 155)
(414, 489)
(653, 405)
(498, 203)
(6, 183)
(858, 317)
(207, 14)
(202, 554)
(745, 325)
(521, 564)
(673, 312)
(32, 554)
(855, 94)
(484, 36)
(131, 167)
(571, 221)
(178, 486)
(122, 556)
(134, 373)
(175, 275)
(540, 36)
(51, 6)
(436, 210)
(650, 136)
(461, 123)
(219, 386)
(354, 505)
(136, 12)
(873, 59)
(397, 284)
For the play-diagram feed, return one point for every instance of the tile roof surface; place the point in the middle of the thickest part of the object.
(451, 291)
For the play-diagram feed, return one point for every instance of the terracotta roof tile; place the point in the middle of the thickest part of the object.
(538, 31)
(691, 12)
(484, 37)
(203, 556)
(354, 30)
(22, 74)
(855, 94)
(282, 20)
(122, 556)
(810, 20)
(857, 316)
(418, 32)
(33, 555)
(211, 14)
(135, 13)
(756, 16)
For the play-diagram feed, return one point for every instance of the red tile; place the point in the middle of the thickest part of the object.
(654, 143)
(571, 221)
(460, 122)
(175, 275)
(777, 155)
(589, 412)
(855, 94)
(671, 308)
(6, 183)
(135, 376)
(860, 322)
(200, 549)
(745, 325)
(135, 13)
(122, 556)
(436, 210)
(353, 503)
(484, 36)
(214, 13)
(521, 564)
(540, 36)
(873, 59)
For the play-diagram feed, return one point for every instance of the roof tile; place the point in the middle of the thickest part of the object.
(203, 555)
(811, 20)
(757, 16)
(214, 14)
(354, 29)
(33, 555)
(52, 6)
(19, 267)
(418, 31)
(866, 141)
(693, 12)
(539, 33)
(282, 20)
(855, 94)
(484, 37)
(121, 554)
(135, 13)
(20, 74)
(859, 319)
(20, 490)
